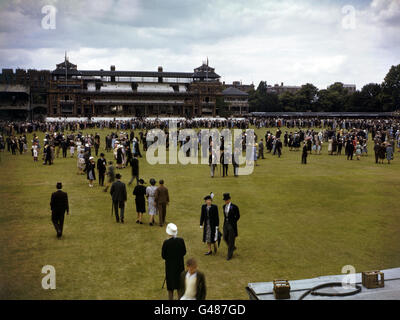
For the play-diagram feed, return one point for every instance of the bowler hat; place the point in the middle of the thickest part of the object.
(207, 197)
(118, 176)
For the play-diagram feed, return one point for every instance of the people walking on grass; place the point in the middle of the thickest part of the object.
(230, 230)
(209, 222)
(140, 193)
(150, 194)
(192, 284)
(59, 205)
(173, 252)
(118, 196)
(161, 199)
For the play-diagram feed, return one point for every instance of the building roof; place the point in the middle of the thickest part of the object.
(232, 91)
(205, 71)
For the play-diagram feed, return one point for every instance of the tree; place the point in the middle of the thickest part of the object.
(391, 89)
(306, 97)
(287, 102)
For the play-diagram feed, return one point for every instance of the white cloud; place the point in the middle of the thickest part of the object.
(278, 41)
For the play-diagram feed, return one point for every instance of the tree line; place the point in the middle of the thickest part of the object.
(373, 97)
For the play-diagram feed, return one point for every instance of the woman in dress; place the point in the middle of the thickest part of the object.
(90, 171)
(358, 150)
(389, 152)
(150, 194)
(119, 157)
(72, 148)
(140, 192)
(209, 221)
(330, 144)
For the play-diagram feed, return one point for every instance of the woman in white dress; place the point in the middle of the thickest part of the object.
(150, 194)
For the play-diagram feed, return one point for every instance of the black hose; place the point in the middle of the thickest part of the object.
(327, 294)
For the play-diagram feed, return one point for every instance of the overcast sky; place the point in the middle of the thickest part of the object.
(295, 42)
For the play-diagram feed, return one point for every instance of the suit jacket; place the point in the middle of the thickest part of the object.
(118, 191)
(59, 202)
(101, 165)
(200, 285)
(135, 166)
(214, 220)
(161, 195)
(232, 217)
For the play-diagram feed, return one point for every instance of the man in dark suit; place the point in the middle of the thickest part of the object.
(58, 205)
(224, 163)
(47, 154)
(134, 162)
(210, 220)
(173, 251)
(231, 217)
(304, 154)
(162, 200)
(118, 195)
(101, 167)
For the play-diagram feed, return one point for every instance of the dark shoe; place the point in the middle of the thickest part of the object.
(122, 221)
(140, 222)
(151, 223)
(208, 253)
(228, 258)
(137, 221)
(117, 221)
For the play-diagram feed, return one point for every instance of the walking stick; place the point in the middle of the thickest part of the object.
(112, 208)
(163, 283)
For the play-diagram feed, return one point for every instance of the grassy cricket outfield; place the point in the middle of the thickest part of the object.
(297, 221)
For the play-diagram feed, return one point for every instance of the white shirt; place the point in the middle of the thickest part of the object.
(227, 207)
(190, 284)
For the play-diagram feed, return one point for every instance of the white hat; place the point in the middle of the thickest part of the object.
(172, 229)
(91, 158)
(86, 145)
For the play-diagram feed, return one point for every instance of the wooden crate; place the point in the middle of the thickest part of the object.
(281, 289)
(373, 279)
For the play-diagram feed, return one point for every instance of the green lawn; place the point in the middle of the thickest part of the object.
(296, 222)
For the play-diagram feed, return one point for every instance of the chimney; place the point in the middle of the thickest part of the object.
(112, 68)
(160, 69)
(281, 84)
